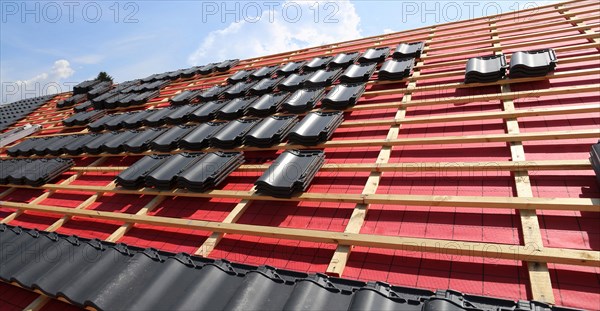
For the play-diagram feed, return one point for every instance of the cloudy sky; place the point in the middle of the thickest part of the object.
(50, 46)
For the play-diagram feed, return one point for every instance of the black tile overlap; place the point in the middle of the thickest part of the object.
(396, 69)
(83, 106)
(232, 134)
(408, 50)
(226, 65)
(83, 118)
(159, 116)
(532, 63)
(485, 69)
(207, 111)
(317, 63)
(358, 73)
(343, 96)
(95, 146)
(136, 120)
(290, 173)
(164, 177)
(185, 97)
(199, 137)
(290, 68)
(180, 115)
(264, 86)
(374, 55)
(85, 86)
(344, 60)
(32, 172)
(238, 90)
(294, 81)
(263, 72)
(235, 108)
(239, 76)
(266, 105)
(322, 78)
(134, 176)
(142, 139)
(116, 144)
(57, 147)
(315, 128)
(76, 147)
(122, 277)
(212, 93)
(303, 100)
(209, 171)
(168, 140)
(270, 131)
(117, 122)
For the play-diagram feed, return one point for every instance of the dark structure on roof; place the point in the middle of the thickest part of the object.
(485, 69)
(532, 63)
(291, 173)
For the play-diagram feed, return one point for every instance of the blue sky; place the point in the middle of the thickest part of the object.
(49, 46)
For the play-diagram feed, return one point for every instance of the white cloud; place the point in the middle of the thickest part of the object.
(51, 81)
(274, 33)
(388, 30)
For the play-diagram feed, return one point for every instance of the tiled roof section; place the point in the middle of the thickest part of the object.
(485, 69)
(290, 68)
(264, 86)
(235, 108)
(532, 63)
(303, 100)
(32, 172)
(213, 93)
(11, 113)
(358, 73)
(317, 63)
(134, 176)
(294, 81)
(267, 104)
(164, 177)
(142, 140)
(316, 127)
(207, 111)
(408, 50)
(344, 60)
(185, 97)
(270, 131)
(172, 281)
(232, 135)
(290, 173)
(209, 171)
(263, 72)
(396, 69)
(169, 140)
(239, 76)
(322, 78)
(239, 89)
(343, 96)
(83, 118)
(199, 137)
(374, 55)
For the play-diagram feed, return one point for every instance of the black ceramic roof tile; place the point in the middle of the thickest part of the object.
(315, 128)
(207, 111)
(267, 104)
(83, 118)
(76, 147)
(343, 60)
(117, 100)
(141, 98)
(290, 173)
(32, 172)
(408, 50)
(374, 55)
(263, 72)
(396, 69)
(57, 148)
(136, 120)
(199, 137)
(169, 139)
(270, 131)
(238, 90)
(95, 146)
(24, 148)
(322, 78)
(116, 145)
(99, 89)
(159, 116)
(240, 76)
(303, 100)
(293, 82)
(190, 72)
(213, 93)
(208, 68)
(180, 114)
(134, 176)
(235, 108)
(226, 65)
(40, 147)
(71, 101)
(150, 78)
(532, 63)
(290, 68)
(209, 171)
(142, 139)
(185, 97)
(343, 96)
(98, 125)
(485, 69)
(317, 63)
(85, 86)
(232, 134)
(101, 100)
(83, 106)
(358, 73)
(264, 86)
(118, 120)
(164, 177)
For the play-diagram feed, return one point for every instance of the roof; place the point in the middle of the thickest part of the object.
(483, 189)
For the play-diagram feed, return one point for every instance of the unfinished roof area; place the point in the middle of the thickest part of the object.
(440, 168)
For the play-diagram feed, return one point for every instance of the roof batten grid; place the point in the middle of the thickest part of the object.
(339, 260)
(578, 23)
(539, 276)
